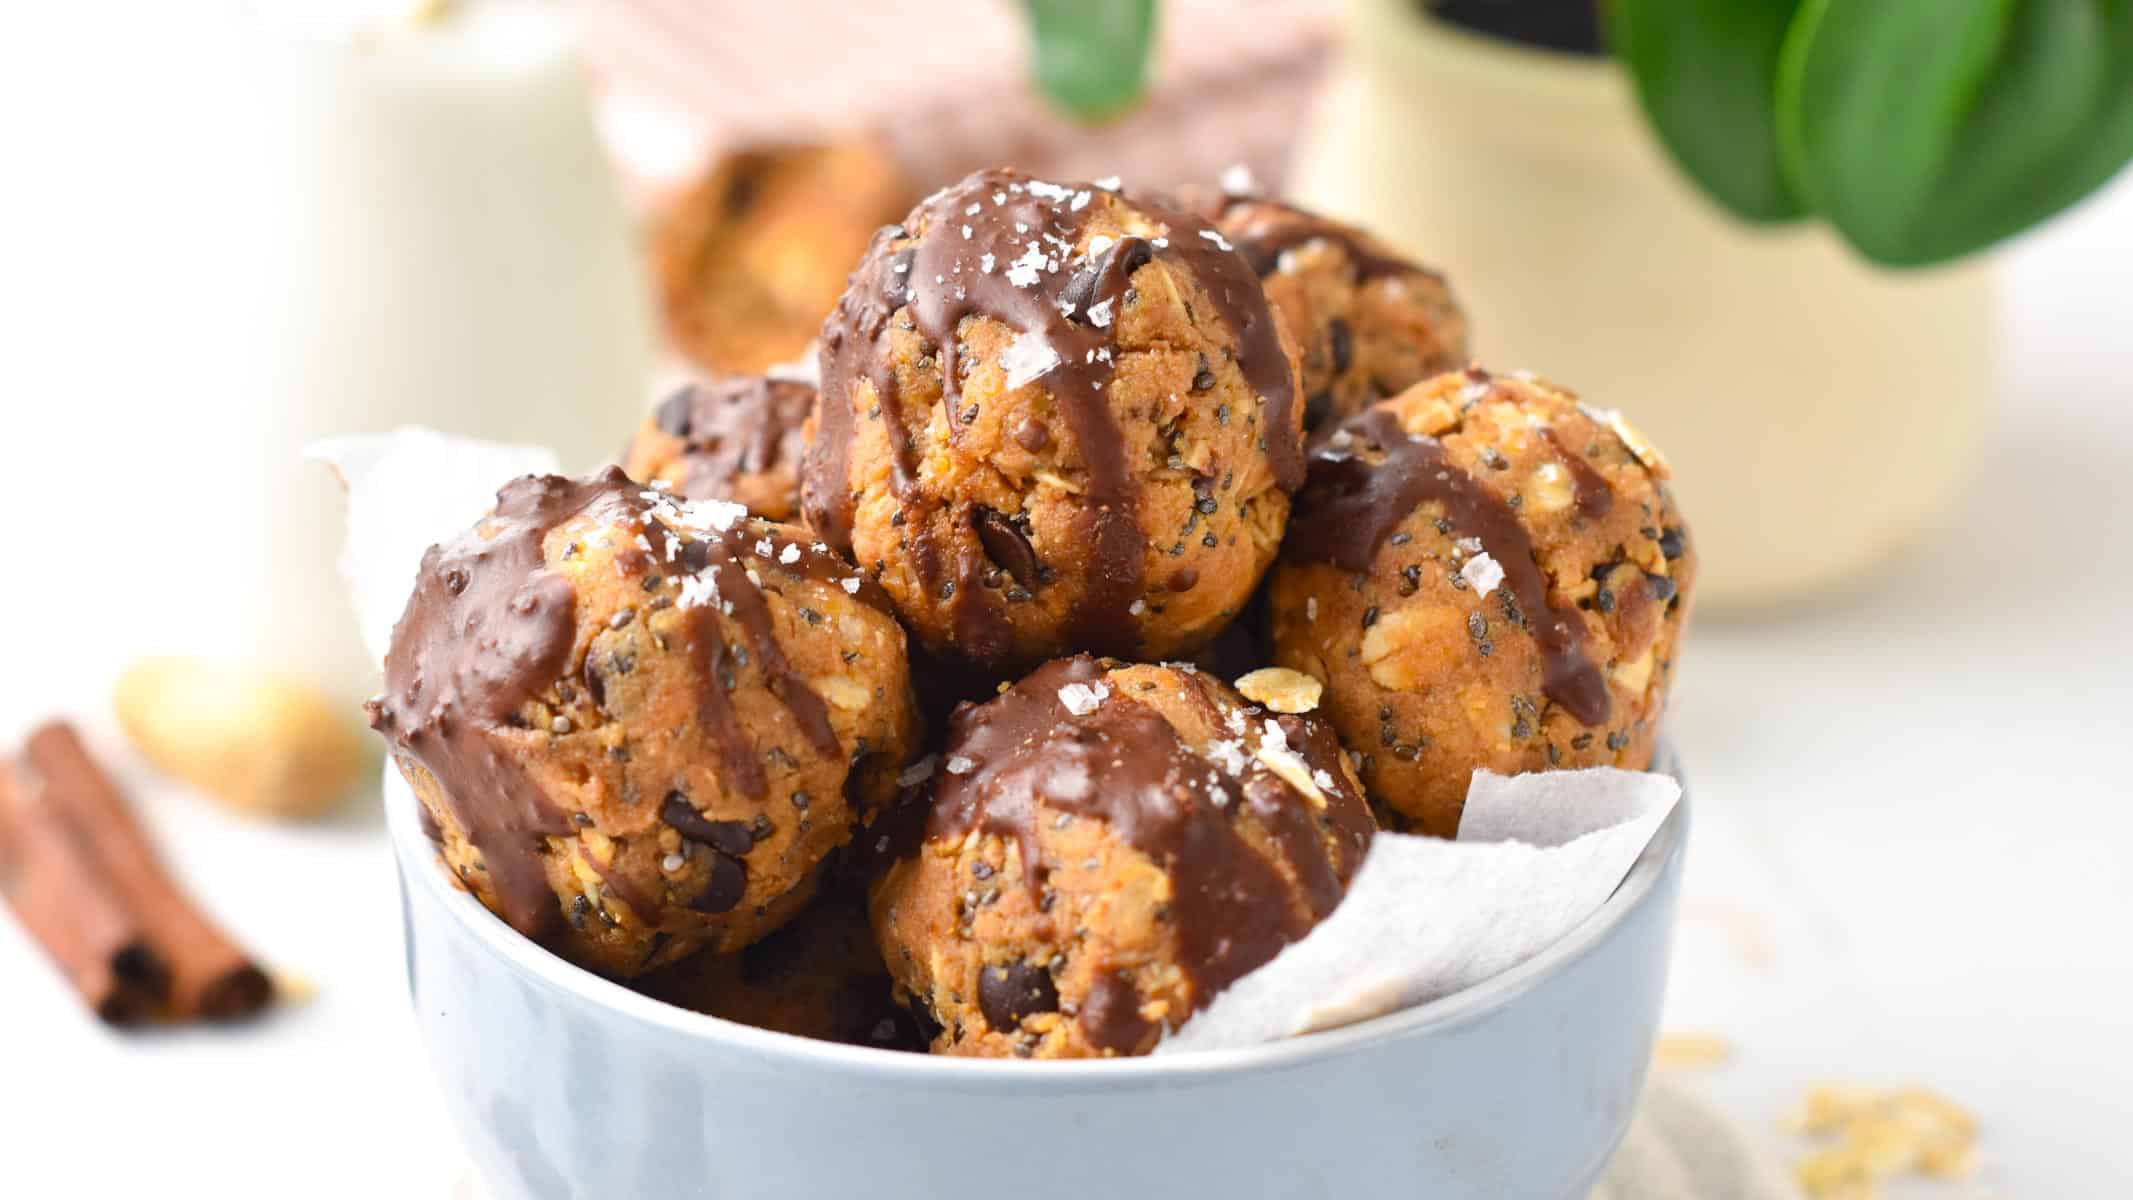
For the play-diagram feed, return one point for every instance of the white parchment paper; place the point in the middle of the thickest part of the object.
(1536, 854)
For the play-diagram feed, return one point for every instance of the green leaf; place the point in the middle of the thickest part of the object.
(1706, 74)
(1926, 129)
(1091, 56)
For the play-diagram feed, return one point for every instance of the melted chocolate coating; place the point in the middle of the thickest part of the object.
(948, 263)
(1350, 506)
(1123, 764)
(743, 425)
(1263, 230)
(489, 627)
(1593, 497)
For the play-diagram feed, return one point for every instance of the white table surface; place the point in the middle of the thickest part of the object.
(1910, 859)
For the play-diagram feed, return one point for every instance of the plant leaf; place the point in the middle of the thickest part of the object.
(1091, 56)
(1706, 74)
(1925, 129)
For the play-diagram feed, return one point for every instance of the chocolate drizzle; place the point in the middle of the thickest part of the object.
(744, 425)
(1003, 246)
(1120, 762)
(1593, 497)
(1350, 506)
(490, 627)
(1263, 230)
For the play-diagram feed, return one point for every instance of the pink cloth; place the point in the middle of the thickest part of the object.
(945, 82)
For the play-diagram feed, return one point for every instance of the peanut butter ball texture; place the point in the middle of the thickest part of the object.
(738, 438)
(1483, 573)
(1368, 322)
(638, 725)
(1100, 850)
(1054, 419)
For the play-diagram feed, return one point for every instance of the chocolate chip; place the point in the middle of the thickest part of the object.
(455, 581)
(1008, 994)
(1671, 544)
(727, 837)
(728, 883)
(1032, 435)
(1342, 340)
(674, 413)
(1006, 544)
(1662, 587)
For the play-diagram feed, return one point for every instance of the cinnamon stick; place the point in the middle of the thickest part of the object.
(46, 878)
(209, 975)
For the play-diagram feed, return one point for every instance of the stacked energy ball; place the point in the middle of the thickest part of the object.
(1182, 524)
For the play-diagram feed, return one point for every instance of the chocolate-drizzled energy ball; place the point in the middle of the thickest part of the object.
(638, 725)
(1483, 573)
(738, 438)
(1101, 850)
(1368, 322)
(1054, 419)
(749, 260)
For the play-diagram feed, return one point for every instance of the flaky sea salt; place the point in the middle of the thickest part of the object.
(1275, 754)
(1236, 180)
(1220, 241)
(1081, 699)
(1109, 183)
(1100, 314)
(918, 772)
(790, 554)
(1482, 573)
(1023, 271)
(1029, 357)
(851, 586)
(699, 590)
(959, 764)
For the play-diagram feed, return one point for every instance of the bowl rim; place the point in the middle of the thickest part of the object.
(414, 857)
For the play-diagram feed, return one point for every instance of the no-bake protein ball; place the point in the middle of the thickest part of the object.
(1368, 322)
(638, 725)
(1103, 848)
(1483, 573)
(738, 438)
(750, 259)
(1054, 419)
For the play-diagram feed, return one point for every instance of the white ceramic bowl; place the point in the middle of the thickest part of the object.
(564, 1084)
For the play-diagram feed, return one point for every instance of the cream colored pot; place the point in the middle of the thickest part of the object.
(1816, 409)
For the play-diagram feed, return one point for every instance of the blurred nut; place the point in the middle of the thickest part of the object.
(1550, 490)
(259, 745)
(1635, 675)
(843, 691)
(1281, 689)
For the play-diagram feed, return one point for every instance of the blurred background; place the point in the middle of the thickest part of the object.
(233, 229)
